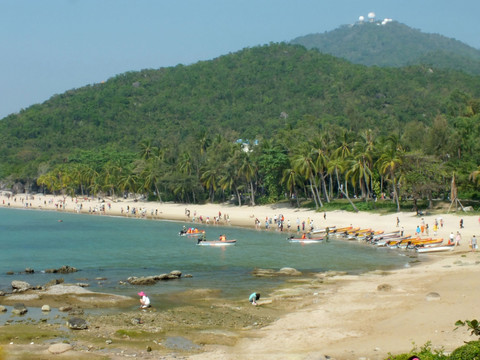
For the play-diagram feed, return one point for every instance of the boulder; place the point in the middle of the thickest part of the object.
(146, 280)
(19, 286)
(65, 308)
(65, 269)
(19, 309)
(46, 308)
(3, 308)
(2, 293)
(76, 323)
(289, 271)
(59, 348)
(176, 273)
(29, 271)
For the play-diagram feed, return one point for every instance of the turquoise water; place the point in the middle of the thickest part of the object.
(114, 248)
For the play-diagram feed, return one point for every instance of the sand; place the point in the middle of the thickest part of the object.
(355, 317)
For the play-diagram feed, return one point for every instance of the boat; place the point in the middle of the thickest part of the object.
(216, 242)
(428, 243)
(305, 240)
(191, 232)
(331, 229)
(438, 248)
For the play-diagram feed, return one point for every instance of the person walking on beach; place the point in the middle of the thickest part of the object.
(398, 221)
(461, 223)
(451, 238)
(473, 243)
(458, 237)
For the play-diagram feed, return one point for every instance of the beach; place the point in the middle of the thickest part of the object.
(337, 315)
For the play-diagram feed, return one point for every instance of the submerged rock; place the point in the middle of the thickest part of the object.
(19, 309)
(76, 323)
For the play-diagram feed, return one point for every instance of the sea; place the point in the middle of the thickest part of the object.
(107, 250)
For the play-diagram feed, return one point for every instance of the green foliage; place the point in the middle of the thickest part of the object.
(424, 353)
(473, 325)
(314, 124)
(469, 351)
(394, 44)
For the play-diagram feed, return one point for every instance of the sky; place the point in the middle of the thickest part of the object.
(50, 46)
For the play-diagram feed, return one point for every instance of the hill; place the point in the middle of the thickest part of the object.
(393, 44)
(173, 132)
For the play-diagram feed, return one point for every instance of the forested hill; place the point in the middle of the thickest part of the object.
(256, 93)
(393, 44)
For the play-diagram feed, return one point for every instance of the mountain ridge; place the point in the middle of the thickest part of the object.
(393, 44)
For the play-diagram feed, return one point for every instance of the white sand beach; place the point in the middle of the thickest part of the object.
(356, 317)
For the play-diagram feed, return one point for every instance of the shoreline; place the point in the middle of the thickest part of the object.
(342, 316)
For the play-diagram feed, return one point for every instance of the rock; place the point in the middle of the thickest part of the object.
(161, 277)
(176, 273)
(10, 273)
(2, 293)
(46, 308)
(64, 308)
(65, 269)
(433, 296)
(136, 321)
(263, 272)
(19, 309)
(29, 271)
(384, 287)
(3, 308)
(82, 285)
(146, 280)
(19, 286)
(54, 282)
(289, 271)
(59, 348)
(108, 342)
(77, 323)
(188, 276)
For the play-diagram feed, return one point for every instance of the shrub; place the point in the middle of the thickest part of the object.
(469, 351)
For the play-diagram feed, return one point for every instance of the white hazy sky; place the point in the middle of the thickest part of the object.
(50, 46)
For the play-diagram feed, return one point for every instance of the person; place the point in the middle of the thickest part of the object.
(461, 223)
(473, 243)
(254, 297)
(398, 221)
(451, 238)
(457, 239)
(223, 238)
(144, 300)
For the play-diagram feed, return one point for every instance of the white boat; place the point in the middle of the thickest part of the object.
(305, 241)
(439, 248)
(216, 242)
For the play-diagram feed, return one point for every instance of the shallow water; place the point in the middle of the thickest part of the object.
(107, 250)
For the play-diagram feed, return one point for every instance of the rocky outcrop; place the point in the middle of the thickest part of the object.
(151, 280)
(20, 286)
(272, 273)
(65, 269)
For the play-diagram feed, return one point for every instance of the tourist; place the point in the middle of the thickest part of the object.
(458, 237)
(254, 297)
(144, 300)
(473, 243)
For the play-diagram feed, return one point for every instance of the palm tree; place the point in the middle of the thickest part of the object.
(248, 170)
(210, 177)
(389, 163)
(305, 166)
(291, 178)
